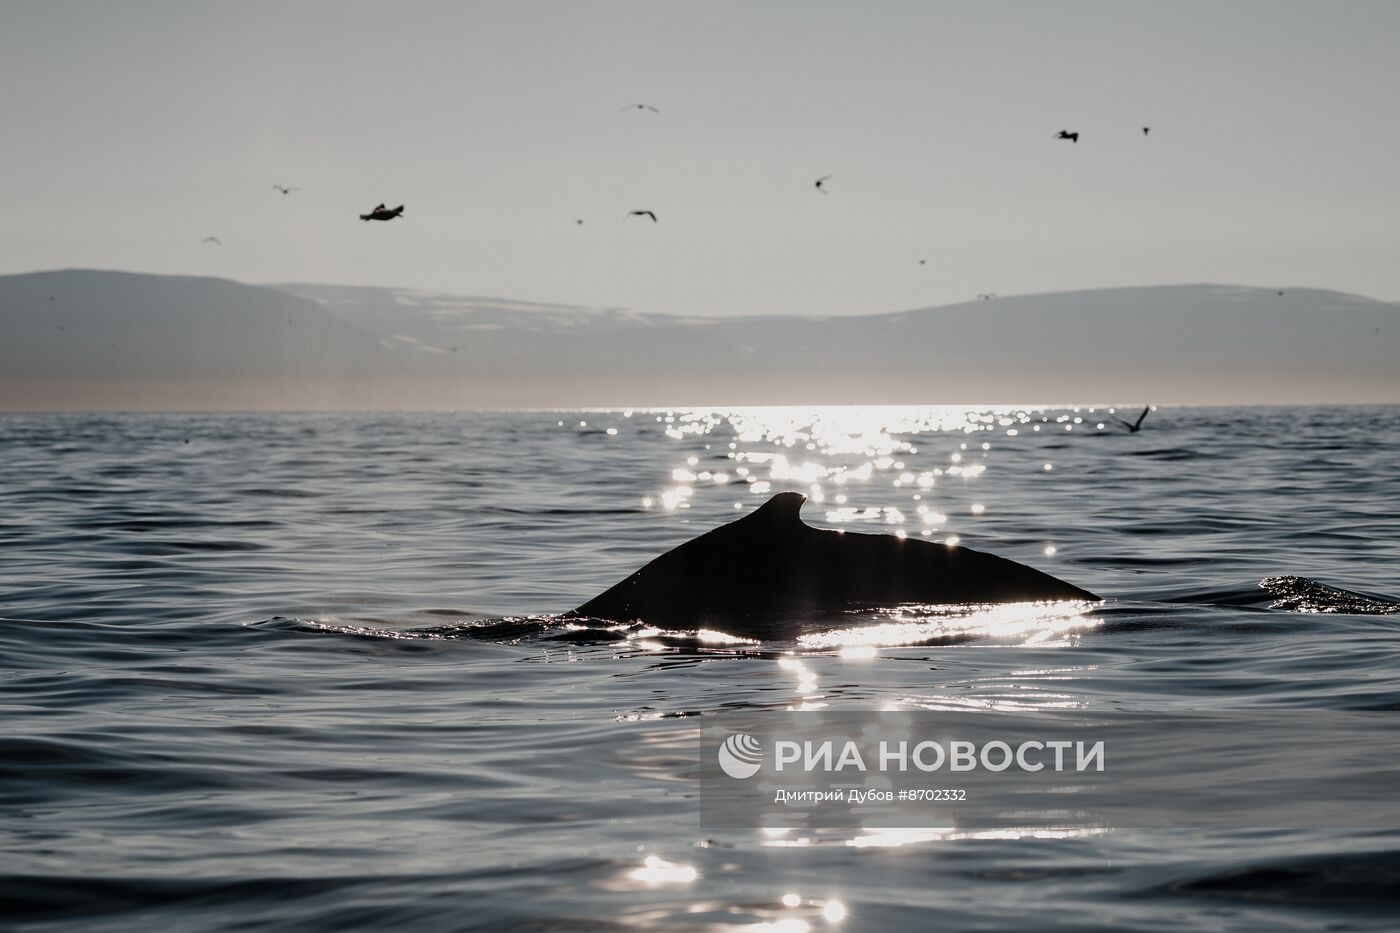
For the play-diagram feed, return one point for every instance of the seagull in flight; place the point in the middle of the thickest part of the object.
(1136, 426)
(285, 189)
(819, 183)
(381, 212)
(1066, 134)
(641, 214)
(640, 107)
(212, 239)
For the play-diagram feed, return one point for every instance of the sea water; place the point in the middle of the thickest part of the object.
(301, 671)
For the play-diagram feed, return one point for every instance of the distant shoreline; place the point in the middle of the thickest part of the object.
(83, 340)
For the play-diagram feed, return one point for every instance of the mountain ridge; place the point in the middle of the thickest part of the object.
(84, 338)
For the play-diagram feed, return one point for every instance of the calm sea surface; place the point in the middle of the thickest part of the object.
(298, 671)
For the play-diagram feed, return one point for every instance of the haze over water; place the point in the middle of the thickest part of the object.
(298, 670)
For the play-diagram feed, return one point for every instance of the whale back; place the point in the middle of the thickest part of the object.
(770, 562)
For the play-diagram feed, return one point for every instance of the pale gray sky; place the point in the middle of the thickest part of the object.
(134, 130)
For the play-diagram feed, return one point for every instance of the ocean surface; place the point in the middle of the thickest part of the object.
(301, 672)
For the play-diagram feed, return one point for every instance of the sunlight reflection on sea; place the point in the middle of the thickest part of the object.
(302, 670)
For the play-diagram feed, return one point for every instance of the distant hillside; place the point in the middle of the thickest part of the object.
(87, 339)
(1180, 344)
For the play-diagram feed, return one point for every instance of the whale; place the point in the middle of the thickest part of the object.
(771, 563)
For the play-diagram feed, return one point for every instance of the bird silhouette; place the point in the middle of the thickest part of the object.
(987, 296)
(641, 214)
(1066, 134)
(1146, 130)
(640, 107)
(819, 182)
(381, 212)
(285, 189)
(1136, 426)
(212, 239)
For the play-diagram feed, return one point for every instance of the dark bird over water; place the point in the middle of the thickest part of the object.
(286, 190)
(641, 214)
(1136, 426)
(1066, 134)
(212, 239)
(383, 213)
(819, 183)
(640, 107)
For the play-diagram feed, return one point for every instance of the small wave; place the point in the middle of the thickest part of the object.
(512, 629)
(73, 897)
(1300, 594)
(908, 625)
(1357, 879)
(506, 628)
(1169, 454)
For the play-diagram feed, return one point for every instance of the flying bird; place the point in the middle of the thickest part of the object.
(1066, 134)
(640, 107)
(285, 189)
(1136, 425)
(1146, 130)
(212, 239)
(383, 213)
(819, 183)
(641, 214)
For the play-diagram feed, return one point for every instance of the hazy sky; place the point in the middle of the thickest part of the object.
(134, 130)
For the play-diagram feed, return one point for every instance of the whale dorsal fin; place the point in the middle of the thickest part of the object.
(781, 511)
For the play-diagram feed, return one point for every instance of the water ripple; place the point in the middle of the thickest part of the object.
(307, 672)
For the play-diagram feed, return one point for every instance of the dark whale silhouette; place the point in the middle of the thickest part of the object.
(770, 562)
